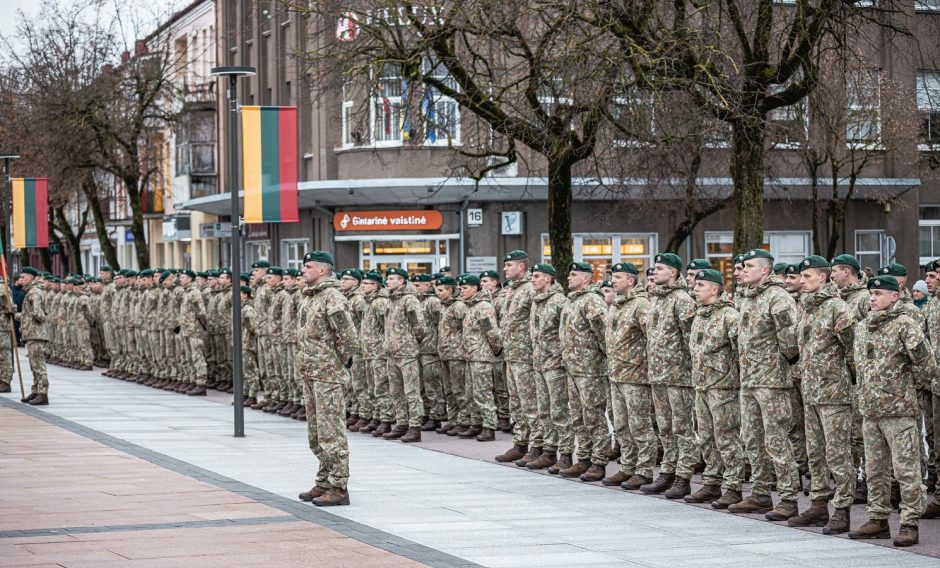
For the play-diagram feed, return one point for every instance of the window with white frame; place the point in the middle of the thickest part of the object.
(634, 113)
(929, 229)
(927, 5)
(869, 248)
(441, 114)
(293, 251)
(928, 106)
(255, 251)
(786, 246)
(554, 96)
(863, 98)
(603, 250)
(789, 126)
(386, 109)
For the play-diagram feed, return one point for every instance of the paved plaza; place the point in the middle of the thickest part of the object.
(117, 474)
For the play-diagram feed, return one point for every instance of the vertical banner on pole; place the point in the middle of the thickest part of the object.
(30, 213)
(269, 155)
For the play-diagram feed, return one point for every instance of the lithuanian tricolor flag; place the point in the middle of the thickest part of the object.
(30, 213)
(269, 154)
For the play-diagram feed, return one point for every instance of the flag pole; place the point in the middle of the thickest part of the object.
(4, 252)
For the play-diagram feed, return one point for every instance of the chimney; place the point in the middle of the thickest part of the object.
(140, 47)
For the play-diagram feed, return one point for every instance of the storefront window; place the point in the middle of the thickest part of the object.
(255, 251)
(418, 256)
(293, 251)
(786, 246)
(602, 251)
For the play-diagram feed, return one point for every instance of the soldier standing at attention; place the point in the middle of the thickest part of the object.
(793, 284)
(32, 320)
(670, 367)
(893, 356)
(692, 268)
(404, 329)
(350, 282)
(453, 363)
(7, 309)
(327, 344)
(767, 344)
(481, 345)
(432, 390)
(506, 408)
(192, 326)
(826, 332)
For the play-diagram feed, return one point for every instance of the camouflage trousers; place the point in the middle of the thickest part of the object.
(675, 407)
(404, 380)
(295, 387)
(194, 370)
(587, 400)
(523, 396)
(640, 415)
(326, 430)
(6, 360)
(891, 445)
(765, 422)
(357, 387)
(934, 440)
(458, 407)
(797, 432)
(501, 391)
(554, 413)
(432, 389)
(377, 378)
(251, 384)
(620, 417)
(480, 375)
(829, 450)
(168, 343)
(36, 350)
(718, 413)
(858, 445)
(926, 399)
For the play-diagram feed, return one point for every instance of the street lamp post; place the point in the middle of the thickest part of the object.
(7, 200)
(233, 73)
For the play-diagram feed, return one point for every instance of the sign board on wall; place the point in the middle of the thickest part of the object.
(419, 220)
(215, 230)
(477, 264)
(511, 223)
(474, 217)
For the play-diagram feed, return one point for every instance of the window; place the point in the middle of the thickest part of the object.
(553, 98)
(352, 136)
(869, 245)
(293, 251)
(929, 228)
(716, 133)
(927, 5)
(387, 118)
(419, 255)
(441, 114)
(790, 124)
(863, 97)
(928, 106)
(634, 114)
(602, 250)
(255, 251)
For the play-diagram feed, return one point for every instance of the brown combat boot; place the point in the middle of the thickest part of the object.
(357, 427)
(874, 528)
(292, 408)
(755, 504)
(576, 469)
(196, 391)
(471, 432)
(40, 400)
(314, 492)
(564, 462)
(530, 456)
(816, 516)
(635, 482)
(412, 435)
(594, 473)
(679, 489)
(486, 435)
(705, 494)
(445, 428)
(907, 536)
(860, 497)
(368, 428)
(353, 418)
(838, 522)
(546, 459)
(258, 405)
(616, 479)
(730, 497)
(512, 454)
(932, 511)
(430, 425)
(457, 430)
(662, 483)
(395, 433)
(504, 425)
(332, 498)
(301, 414)
(784, 510)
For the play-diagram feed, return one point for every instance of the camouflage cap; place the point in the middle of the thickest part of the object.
(848, 260)
(884, 283)
(545, 269)
(698, 264)
(320, 256)
(894, 269)
(446, 281)
(758, 253)
(669, 259)
(710, 275)
(814, 261)
(489, 274)
(469, 279)
(516, 255)
(627, 267)
(396, 271)
(580, 267)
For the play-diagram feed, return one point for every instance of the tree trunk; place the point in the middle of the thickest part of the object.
(679, 235)
(137, 223)
(747, 174)
(814, 185)
(101, 229)
(46, 257)
(72, 241)
(559, 214)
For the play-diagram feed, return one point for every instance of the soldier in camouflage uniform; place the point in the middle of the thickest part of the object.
(32, 318)
(214, 326)
(826, 336)
(893, 356)
(106, 295)
(481, 342)
(327, 344)
(505, 411)
(225, 333)
(581, 330)
(280, 391)
(627, 369)
(349, 284)
(692, 268)
(192, 331)
(453, 364)
(931, 408)
(261, 299)
(405, 327)
(670, 368)
(432, 389)
(792, 283)
(83, 318)
(374, 356)
(7, 311)
(292, 283)
(714, 352)
(767, 344)
(249, 347)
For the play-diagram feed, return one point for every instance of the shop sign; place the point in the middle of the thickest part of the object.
(215, 230)
(511, 223)
(477, 264)
(419, 220)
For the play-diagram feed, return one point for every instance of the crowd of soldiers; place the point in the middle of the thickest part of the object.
(808, 370)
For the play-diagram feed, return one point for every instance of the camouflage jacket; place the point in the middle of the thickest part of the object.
(405, 325)
(932, 317)
(150, 309)
(481, 335)
(767, 335)
(192, 316)
(892, 358)
(544, 318)
(225, 311)
(826, 333)
(625, 336)
(213, 312)
(33, 314)
(670, 322)
(279, 297)
(432, 315)
(262, 299)
(165, 319)
(289, 316)
(713, 346)
(372, 329)
(249, 339)
(857, 297)
(581, 330)
(328, 339)
(106, 302)
(906, 302)
(514, 320)
(450, 329)
(357, 305)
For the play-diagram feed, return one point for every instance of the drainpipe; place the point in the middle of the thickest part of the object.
(463, 221)
(331, 235)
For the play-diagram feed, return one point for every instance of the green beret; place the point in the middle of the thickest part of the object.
(374, 276)
(848, 260)
(516, 255)
(710, 275)
(758, 253)
(780, 267)
(627, 267)
(437, 275)
(580, 267)
(545, 269)
(445, 269)
(275, 270)
(605, 284)
(738, 259)
(202, 274)
(814, 261)
(227, 271)
(932, 266)
(212, 273)
(669, 259)
(490, 274)
(422, 278)
(165, 274)
(397, 271)
(146, 272)
(246, 290)
(469, 279)
(650, 271)
(106, 268)
(352, 273)
(46, 275)
(884, 283)
(244, 277)
(698, 264)
(131, 273)
(262, 263)
(320, 256)
(792, 269)
(32, 271)
(446, 281)
(461, 275)
(293, 272)
(893, 270)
